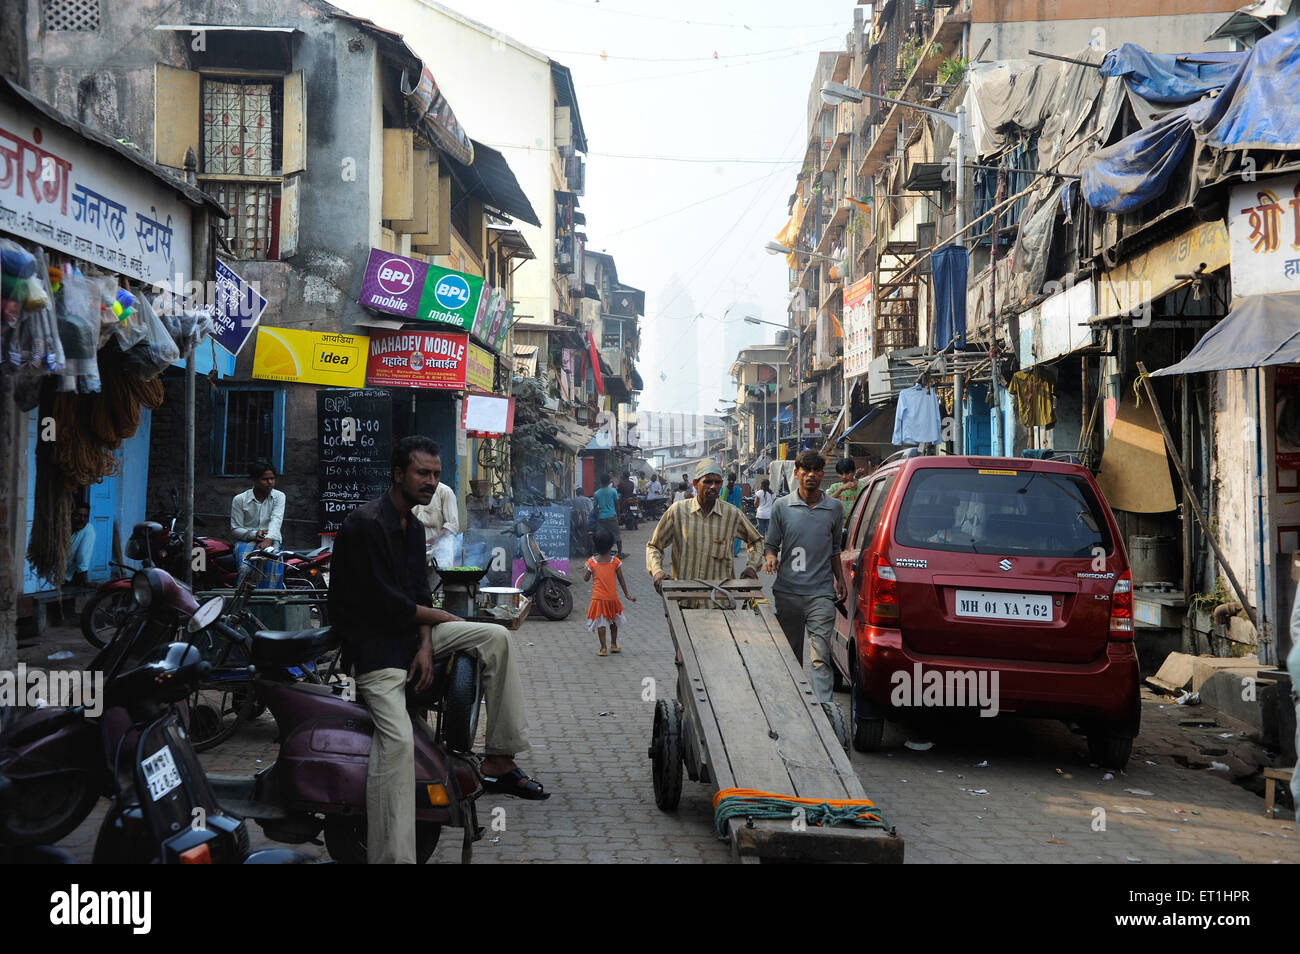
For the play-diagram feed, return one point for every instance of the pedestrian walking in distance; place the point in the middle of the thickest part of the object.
(605, 610)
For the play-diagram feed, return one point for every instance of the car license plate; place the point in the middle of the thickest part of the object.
(1022, 607)
(160, 773)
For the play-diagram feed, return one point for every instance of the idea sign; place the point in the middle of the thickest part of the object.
(392, 284)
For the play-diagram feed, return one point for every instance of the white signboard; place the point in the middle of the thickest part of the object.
(1264, 236)
(67, 194)
(858, 313)
(1063, 321)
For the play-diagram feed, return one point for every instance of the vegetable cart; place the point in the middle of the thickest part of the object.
(746, 721)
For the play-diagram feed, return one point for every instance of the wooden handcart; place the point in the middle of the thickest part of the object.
(746, 717)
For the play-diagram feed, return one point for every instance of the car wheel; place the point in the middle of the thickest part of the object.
(838, 723)
(868, 729)
(1109, 751)
(666, 754)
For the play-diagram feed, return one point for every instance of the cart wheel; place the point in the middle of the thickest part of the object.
(841, 726)
(666, 754)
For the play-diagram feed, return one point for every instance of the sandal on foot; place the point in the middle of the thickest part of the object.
(615, 649)
(601, 652)
(508, 784)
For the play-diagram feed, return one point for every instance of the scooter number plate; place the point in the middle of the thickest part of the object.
(161, 773)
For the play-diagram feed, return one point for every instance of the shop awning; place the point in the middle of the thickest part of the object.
(857, 427)
(489, 177)
(513, 240)
(571, 434)
(526, 360)
(1263, 330)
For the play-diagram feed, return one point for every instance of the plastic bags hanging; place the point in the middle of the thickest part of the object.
(78, 331)
(156, 352)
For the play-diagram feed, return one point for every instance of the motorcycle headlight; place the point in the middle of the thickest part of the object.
(141, 590)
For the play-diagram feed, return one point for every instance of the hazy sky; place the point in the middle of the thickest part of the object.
(722, 82)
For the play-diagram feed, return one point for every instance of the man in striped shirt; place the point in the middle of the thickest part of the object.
(700, 531)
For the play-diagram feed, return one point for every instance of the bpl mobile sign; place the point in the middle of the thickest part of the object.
(416, 291)
(450, 298)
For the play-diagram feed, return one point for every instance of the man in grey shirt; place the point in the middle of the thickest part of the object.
(803, 539)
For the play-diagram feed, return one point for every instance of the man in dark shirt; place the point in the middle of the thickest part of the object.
(379, 601)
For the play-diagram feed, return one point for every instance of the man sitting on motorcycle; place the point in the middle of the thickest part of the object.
(379, 601)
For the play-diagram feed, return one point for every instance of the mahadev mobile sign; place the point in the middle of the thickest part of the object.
(418, 359)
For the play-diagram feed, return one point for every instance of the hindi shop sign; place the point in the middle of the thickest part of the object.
(237, 309)
(857, 328)
(65, 193)
(1264, 236)
(418, 359)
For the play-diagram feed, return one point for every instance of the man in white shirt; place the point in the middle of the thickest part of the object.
(439, 516)
(256, 516)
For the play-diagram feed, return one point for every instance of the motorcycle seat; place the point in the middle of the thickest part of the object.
(291, 647)
(305, 554)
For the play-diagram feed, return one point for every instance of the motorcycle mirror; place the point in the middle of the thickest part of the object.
(207, 614)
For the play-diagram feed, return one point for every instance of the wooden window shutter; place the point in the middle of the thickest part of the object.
(418, 223)
(295, 124)
(398, 198)
(176, 119)
(289, 217)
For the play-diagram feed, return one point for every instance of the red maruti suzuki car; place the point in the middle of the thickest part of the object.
(999, 584)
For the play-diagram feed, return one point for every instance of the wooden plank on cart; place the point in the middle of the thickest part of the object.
(754, 757)
(778, 840)
(789, 708)
(696, 703)
(839, 758)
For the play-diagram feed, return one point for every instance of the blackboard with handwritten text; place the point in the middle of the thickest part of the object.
(355, 429)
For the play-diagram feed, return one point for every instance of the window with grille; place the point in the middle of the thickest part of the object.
(70, 15)
(248, 426)
(241, 141)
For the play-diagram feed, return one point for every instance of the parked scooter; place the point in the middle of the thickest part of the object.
(152, 544)
(318, 780)
(541, 584)
(57, 761)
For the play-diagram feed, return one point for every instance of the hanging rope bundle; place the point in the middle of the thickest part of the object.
(731, 803)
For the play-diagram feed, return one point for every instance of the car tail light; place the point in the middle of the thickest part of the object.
(198, 855)
(1121, 607)
(882, 593)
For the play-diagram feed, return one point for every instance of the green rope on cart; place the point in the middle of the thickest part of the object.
(820, 813)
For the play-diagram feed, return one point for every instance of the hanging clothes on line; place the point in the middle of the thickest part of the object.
(1035, 398)
(916, 420)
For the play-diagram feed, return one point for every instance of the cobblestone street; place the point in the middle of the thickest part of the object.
(1036, 800)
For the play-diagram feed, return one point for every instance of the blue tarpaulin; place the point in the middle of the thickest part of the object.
(1258, 108)
(852, 433)
(787, 415)
(1263, 330)
(948, 265)
(1172, 79)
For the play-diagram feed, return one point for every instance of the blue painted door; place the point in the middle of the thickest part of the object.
(976, 422)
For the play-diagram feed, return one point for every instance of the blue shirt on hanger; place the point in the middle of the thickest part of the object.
(916, 420)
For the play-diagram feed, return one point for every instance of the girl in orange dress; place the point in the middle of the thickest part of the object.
(605, 609)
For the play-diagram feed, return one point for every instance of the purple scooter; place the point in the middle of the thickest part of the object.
(318, 782)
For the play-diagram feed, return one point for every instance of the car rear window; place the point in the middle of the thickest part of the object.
(1027, 512)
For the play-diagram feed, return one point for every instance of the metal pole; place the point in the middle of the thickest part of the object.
(958, 399)
(189, 465)
(798, 395)
(777, 370)
(961, 173)
(1190, 496)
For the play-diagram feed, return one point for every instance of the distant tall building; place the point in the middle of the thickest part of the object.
(670, 366)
